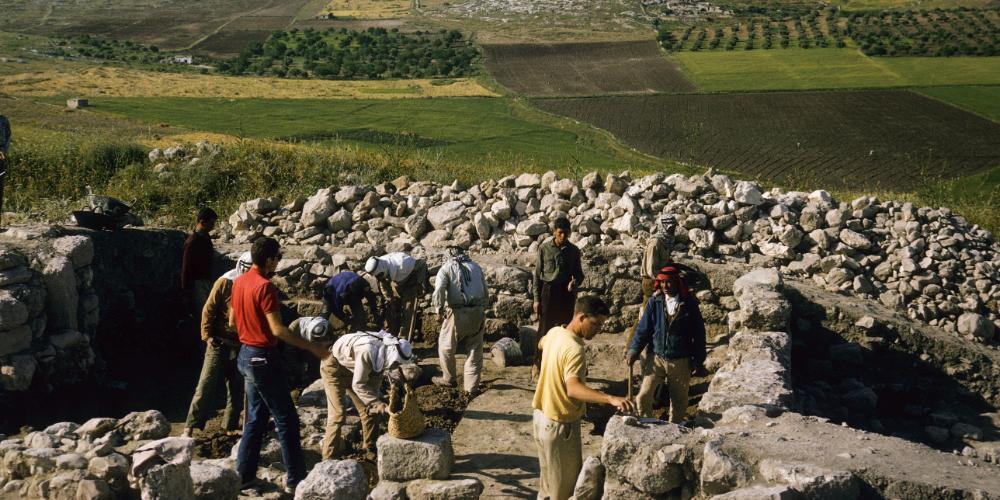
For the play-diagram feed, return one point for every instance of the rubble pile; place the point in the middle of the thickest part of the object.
(929, 262)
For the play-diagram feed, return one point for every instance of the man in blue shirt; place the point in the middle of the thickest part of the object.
(347, 290)
(672, 323)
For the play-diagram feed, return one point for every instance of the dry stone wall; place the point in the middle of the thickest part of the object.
(928, 262)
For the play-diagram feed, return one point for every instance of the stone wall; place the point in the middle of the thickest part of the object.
(928, 262)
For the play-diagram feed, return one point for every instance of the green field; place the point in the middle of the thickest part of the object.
(482, 133)
(815, 69)
(982, 100)
(911, 4)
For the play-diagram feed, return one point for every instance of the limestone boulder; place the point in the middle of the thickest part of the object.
(141, 425)
(644, 455)
(590, 482)
(334, 480)
(453, 489)
(167, 482)
(214, 482)
(429, 456)
(446, 215)
(811, 481)
(976, 325)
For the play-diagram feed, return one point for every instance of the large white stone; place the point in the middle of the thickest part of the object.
(429, 456)
(453, 489)
(445, 215)
(334, 480)
(167, 482)
(635, 453)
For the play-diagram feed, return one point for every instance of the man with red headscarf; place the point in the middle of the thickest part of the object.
(672, 323)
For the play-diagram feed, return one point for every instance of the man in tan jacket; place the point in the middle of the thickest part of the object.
(356, 366)
(218, 370)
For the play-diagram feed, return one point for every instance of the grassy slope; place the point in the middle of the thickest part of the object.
(483, 133)
(798, 69)
(982, 100)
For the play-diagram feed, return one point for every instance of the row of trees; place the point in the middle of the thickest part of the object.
(375, 53)
(933, 33)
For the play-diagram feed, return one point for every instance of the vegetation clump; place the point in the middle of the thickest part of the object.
(375, 53)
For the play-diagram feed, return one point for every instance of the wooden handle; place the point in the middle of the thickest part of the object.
(629, 381)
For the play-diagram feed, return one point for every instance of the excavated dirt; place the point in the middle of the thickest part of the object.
(442, 406)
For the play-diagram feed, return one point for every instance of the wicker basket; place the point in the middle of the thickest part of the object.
(406, 421)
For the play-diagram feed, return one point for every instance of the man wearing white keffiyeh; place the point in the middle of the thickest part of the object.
(356, 367)
(460, 297)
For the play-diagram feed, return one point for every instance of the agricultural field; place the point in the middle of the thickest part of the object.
(375, 53)
(570, 69)
(479, 133)
(952, 32)
(98, 82)
(874, 139)
(982, 100)
(755, 70)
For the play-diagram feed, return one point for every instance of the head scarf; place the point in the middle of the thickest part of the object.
(672, 274)
(243, 264)
(315, 329)
(667, 223)
(385, 349)
(457, 256)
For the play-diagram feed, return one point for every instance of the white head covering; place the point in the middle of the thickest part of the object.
(371, 266)
(386, 351)
(314, 329)
(243, 264)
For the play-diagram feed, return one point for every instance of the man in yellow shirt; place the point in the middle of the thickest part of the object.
(561, 397)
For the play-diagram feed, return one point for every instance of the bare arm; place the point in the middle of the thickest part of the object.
(285, 335)
(579, 391)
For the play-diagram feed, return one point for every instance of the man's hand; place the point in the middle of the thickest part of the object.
(377, 408)
(622, 404)
(631, 358)
(571, 287)
(536, 306)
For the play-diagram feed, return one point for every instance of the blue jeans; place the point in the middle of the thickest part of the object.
(267, 396)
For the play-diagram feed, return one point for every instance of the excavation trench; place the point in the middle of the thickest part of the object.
(892, 376)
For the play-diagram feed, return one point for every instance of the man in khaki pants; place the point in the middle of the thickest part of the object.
(561, 397)
(356, 366)
(672, 322)
(460, 296)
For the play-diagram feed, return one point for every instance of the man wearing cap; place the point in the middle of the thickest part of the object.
(358, 363)
(655, 257)
(218, 370)
(313, 329)
(255, 311)
(403, 280)
(348, 290)
(460, 297)
(672, 323)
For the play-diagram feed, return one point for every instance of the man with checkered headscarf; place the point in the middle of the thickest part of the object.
(219, 370)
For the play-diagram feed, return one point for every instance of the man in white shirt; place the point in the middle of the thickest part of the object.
(356, 367)
(460, 298)
(402, 280)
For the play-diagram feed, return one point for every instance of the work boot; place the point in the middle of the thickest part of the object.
(443, 382)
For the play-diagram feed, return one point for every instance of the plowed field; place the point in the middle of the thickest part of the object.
(877, 139)
(580, 69)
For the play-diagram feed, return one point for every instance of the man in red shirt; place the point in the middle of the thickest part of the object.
(255, 312)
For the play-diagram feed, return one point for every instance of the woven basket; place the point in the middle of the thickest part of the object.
(405, 418)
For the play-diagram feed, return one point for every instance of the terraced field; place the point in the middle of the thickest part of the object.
(578, 69)
(876, 139)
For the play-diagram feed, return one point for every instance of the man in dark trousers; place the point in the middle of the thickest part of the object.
(256, 314)
(196, 262)
(672, 323)
(4, 160)
(348, 290)
(558, 274)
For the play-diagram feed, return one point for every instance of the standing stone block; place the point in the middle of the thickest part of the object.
(429, 456)
(167, 482)
(643, 455)
(61, 300)
(334, 480)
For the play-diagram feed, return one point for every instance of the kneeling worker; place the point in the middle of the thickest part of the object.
(460, 297)
(356, 367)
(672, 322)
